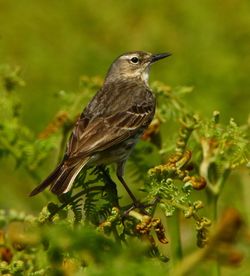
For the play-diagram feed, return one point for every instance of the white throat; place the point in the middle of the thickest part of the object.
(145, 76)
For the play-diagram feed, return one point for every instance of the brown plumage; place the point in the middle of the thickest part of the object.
(110, 125)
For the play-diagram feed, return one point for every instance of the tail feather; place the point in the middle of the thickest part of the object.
(66, 180)
(52, 177)
(61, 179)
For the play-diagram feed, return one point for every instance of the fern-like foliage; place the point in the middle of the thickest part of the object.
(224, 147)
(89, 224)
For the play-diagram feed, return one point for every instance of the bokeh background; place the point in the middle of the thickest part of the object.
(55, 42)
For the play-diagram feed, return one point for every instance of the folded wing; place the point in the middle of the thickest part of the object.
(98, 134)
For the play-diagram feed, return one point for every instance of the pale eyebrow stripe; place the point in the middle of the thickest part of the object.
(129, 56)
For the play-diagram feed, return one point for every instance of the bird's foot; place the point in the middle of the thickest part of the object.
(136, 205)
(141, 206)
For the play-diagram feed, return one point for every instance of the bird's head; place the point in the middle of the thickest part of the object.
(133, 65)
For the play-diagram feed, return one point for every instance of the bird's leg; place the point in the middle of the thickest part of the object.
(119, 173)
(136, 203)
(127, 189)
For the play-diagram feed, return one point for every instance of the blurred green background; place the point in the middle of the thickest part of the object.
(55, 42)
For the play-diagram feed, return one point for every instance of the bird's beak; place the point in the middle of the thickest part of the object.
(156, 57)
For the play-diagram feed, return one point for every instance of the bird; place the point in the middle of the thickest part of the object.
(111, 124)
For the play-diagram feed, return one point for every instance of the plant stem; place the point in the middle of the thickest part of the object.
(215, 268)
(212, 198)
(175, 235)
(214, 211)
(213, 207)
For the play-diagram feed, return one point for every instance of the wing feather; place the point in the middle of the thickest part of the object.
(102, 133)
(118, 111)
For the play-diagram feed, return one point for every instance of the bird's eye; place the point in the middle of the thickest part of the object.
(134, 60)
